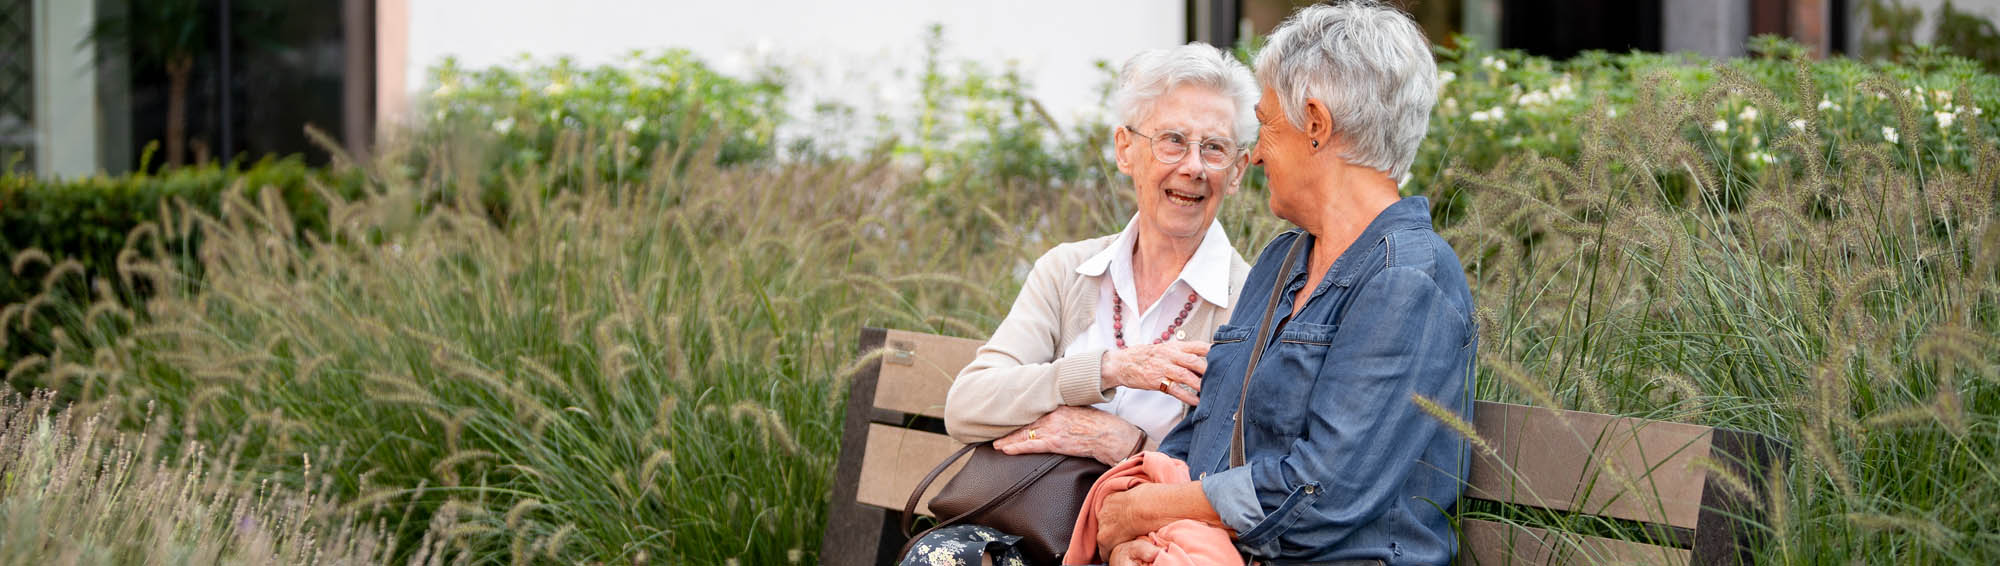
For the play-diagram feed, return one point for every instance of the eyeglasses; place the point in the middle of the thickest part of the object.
(1170, 147)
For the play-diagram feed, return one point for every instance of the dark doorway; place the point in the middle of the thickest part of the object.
(1562, 28)
(263, 71)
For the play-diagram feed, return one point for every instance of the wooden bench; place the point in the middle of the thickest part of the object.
(1679, 493)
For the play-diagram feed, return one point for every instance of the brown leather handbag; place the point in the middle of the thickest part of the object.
(1033, 496)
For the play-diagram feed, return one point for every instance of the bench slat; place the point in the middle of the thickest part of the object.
(918, 369)
(1487, 543)
(1550, 465)
(896, 460)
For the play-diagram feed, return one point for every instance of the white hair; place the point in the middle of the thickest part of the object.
(1154, 72)
(1372, 68)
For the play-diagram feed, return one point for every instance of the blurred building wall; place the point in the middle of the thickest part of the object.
(842, 50)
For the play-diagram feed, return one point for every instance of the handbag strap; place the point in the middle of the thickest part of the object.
(1236, 457)
(910, 508)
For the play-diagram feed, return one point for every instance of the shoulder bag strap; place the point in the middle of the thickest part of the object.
(1236, 458)
(910, 507)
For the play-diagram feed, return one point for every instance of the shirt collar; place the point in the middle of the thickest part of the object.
(1207, 272)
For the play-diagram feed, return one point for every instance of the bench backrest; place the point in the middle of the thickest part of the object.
(1671, 493)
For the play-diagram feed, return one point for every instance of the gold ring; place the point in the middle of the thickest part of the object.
(1031, 434)
(1163, 385)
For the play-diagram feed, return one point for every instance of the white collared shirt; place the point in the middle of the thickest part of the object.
(1206, 275)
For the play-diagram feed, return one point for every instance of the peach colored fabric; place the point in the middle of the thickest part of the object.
(1183, 543)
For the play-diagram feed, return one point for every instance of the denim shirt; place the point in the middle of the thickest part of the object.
(1341, 464)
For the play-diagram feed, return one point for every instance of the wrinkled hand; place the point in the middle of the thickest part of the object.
(1142, 367)
(1140, 552)
(1076, 431)
(1119, 521)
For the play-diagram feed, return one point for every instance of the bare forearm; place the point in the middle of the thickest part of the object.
(1183, 501)
(1147, 508)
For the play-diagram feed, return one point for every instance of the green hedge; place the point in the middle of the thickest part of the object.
(88, 220)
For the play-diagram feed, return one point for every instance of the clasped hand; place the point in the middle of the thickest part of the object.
(1173, 368)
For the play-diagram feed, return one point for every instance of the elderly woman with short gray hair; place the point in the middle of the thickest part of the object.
(1102, 351)
(1350, 319)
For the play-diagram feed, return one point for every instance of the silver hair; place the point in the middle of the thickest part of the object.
(1372, 68)
(1154, 72)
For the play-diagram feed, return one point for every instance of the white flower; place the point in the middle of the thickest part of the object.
(1479, 116)
(504, 125)
(1611, 112)
(1889, 133)
(1798, 124)
(1756, 140)
(443, 90)
(1562, 92)
(1451, 105)
(1719, 126)
(1497, 114)
(1977, 112)
(1498, 65)
(1944, 119)
(1445, 77)
(1749, 114)
(1943, 96)
(555, 88)
(633, 125)
(1534, 98)
(1825, 105)
(1761, 157)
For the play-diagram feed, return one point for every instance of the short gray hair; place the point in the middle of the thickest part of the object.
(1372, 68)
(1154, 72)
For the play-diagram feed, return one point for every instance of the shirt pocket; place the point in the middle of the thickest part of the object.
(1280, 395)
(1231, 334)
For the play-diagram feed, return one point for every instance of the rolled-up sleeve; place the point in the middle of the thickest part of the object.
(1363, 435)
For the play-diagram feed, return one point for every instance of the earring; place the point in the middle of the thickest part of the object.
(1315, 143)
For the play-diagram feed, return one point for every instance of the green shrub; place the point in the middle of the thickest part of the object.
(1497, 106)
(76, 228)
(652, 105)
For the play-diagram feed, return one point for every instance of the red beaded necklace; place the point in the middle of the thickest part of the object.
(1118, 319)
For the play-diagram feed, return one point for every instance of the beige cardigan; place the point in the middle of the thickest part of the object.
(1017, 377)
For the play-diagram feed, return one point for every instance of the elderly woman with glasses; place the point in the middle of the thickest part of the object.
(1328, 457)
(1102, 352)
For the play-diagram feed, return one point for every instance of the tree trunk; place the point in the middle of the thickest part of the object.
(178, 70)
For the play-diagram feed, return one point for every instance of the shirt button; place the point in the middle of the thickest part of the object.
(1309, 490)
(1204, 475)
(1180, 334)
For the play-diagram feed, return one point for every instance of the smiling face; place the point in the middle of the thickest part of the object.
(1179, 200)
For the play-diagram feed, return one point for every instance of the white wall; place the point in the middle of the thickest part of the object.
(846, 50)
(65, 91)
